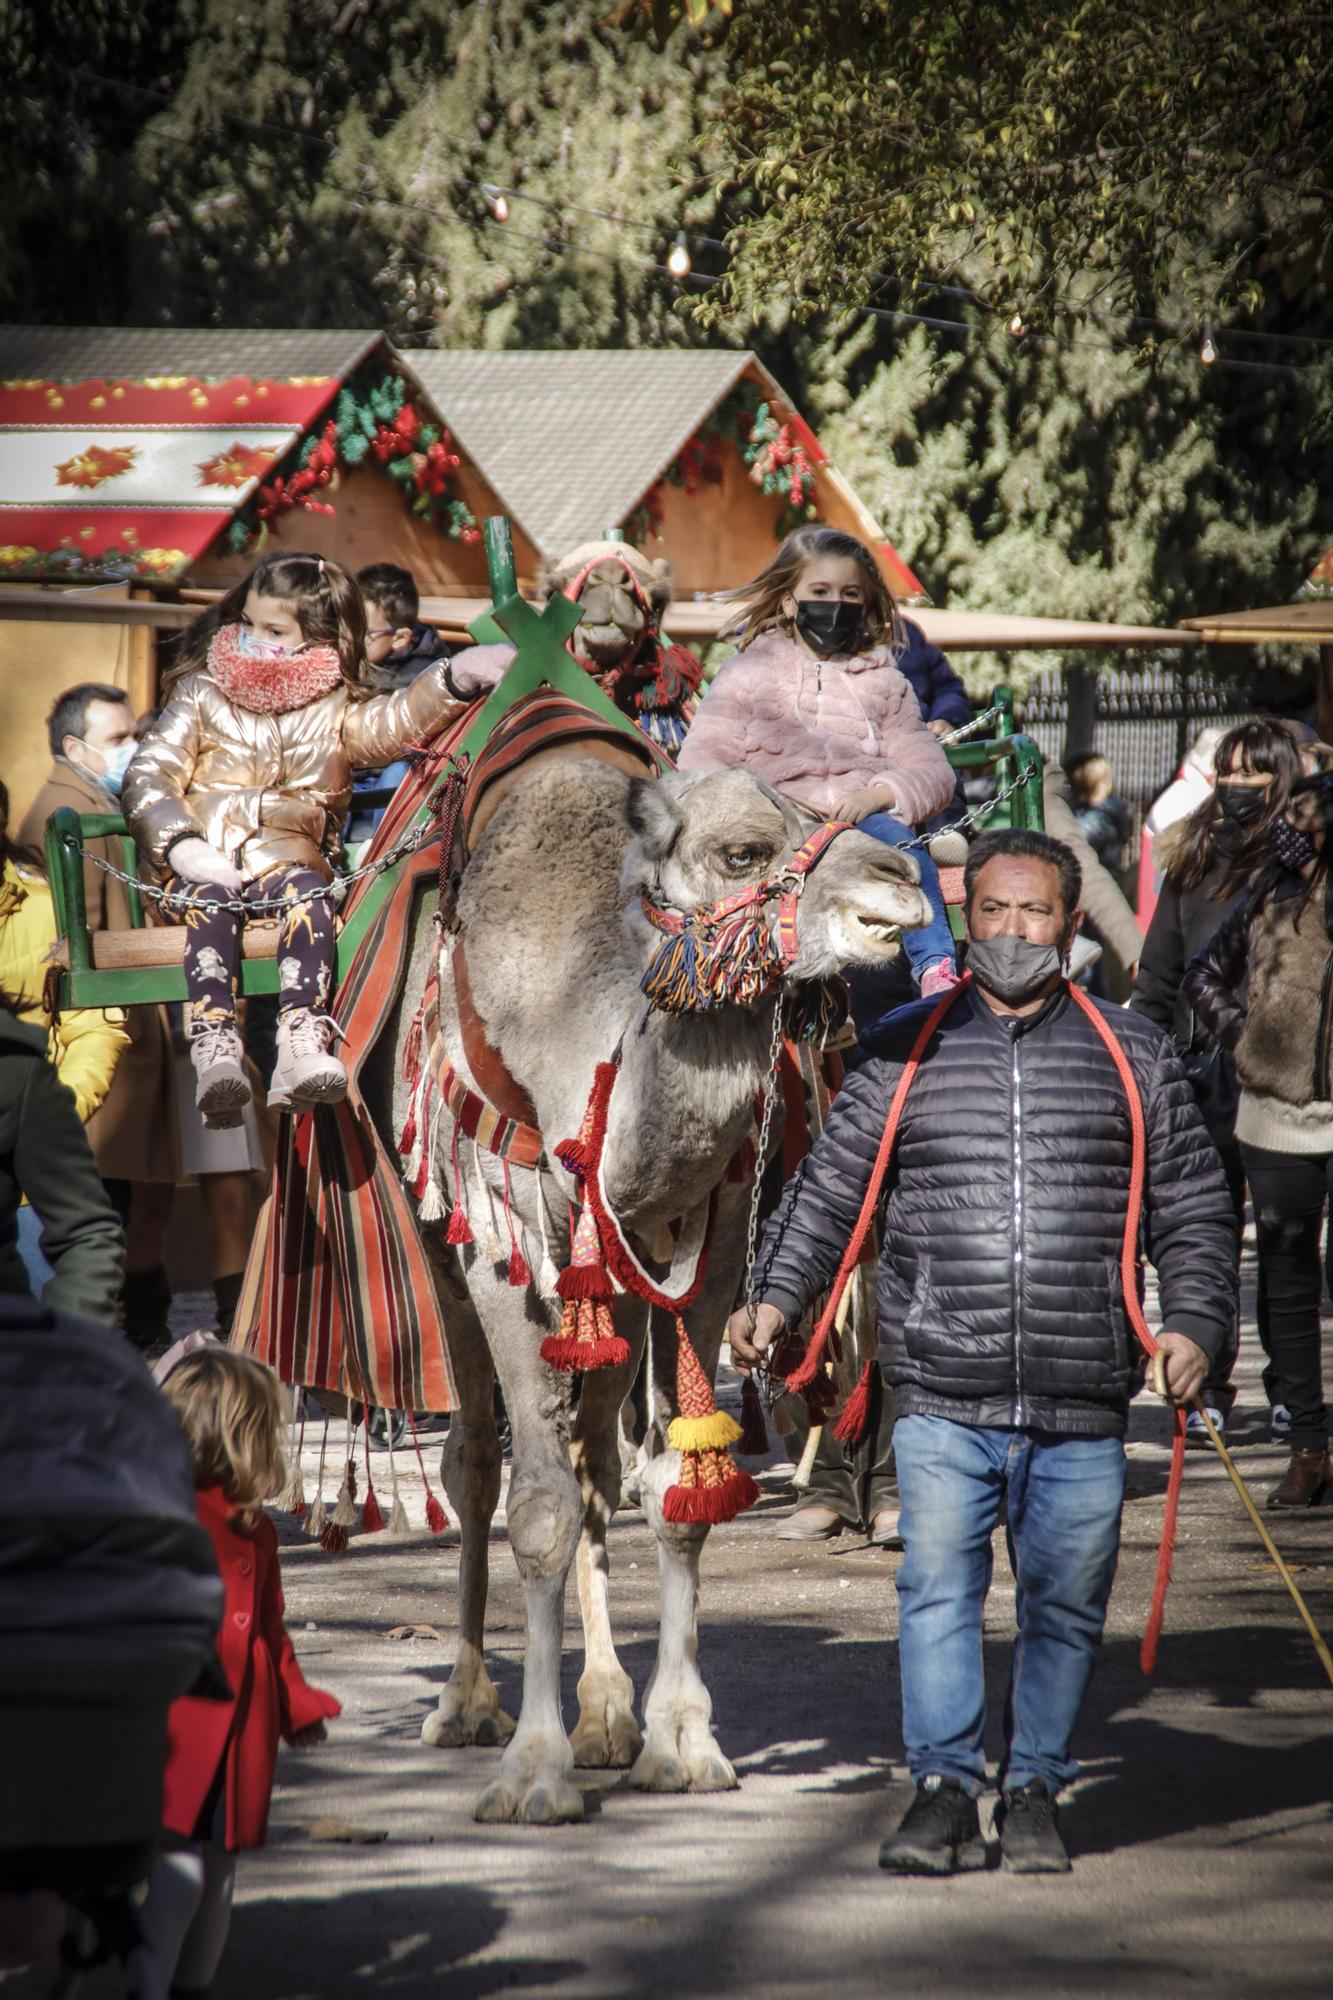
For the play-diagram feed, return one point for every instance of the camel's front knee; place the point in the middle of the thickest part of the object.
(544, 1515)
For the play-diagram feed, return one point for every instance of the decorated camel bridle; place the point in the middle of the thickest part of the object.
(730, 953)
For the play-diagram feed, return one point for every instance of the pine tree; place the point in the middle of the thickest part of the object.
(1074, 479)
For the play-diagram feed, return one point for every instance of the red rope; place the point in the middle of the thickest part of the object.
(1129, 1285)
(851, 1256)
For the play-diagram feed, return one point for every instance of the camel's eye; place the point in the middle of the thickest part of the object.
(744, 860)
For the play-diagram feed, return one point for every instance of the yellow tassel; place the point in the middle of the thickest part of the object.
(711, 1433)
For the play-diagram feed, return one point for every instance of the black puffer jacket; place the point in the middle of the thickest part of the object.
(999, 1298)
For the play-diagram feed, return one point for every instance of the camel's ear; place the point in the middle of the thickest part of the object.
(655, 815)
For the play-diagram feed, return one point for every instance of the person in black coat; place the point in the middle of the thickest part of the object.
(1208, 859)
(1003, 1331)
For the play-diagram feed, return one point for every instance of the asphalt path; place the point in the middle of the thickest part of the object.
(1201, 1826)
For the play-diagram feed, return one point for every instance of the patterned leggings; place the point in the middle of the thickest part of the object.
(213, 945)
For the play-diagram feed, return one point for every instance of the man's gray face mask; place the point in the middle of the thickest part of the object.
(1012, 968)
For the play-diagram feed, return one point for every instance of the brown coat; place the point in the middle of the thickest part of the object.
(134, 1134)
(271, 790)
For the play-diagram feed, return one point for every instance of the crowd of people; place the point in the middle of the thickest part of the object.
(1007, 1350)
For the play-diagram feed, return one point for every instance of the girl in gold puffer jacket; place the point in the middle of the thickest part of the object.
(239, 792)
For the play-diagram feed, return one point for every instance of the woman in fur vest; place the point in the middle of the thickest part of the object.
(1264, 988)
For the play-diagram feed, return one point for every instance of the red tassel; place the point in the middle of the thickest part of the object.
(520, 1277)
(711, 1503)
(851, 1425)
(587, 1338)
(409, 1137)
(584, 1281)
(754, 1430)
(436, 1518)
(460, 1229)
(820, 1396)
(333, 1541)
(573, 1156)
(1152, 1632)
(372, 1519)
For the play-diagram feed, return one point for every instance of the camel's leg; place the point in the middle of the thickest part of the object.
(469, 1708)
(606, 1734)
(680, 1752)
(535, 1783)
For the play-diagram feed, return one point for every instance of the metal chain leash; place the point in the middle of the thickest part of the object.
(974, 727)
(182, 899)
(977, 813)
(761, 1145)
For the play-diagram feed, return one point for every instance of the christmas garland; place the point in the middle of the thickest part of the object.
(373, 417)
(778, 463)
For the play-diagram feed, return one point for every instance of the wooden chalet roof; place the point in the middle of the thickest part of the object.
(125, 452)
(136, 353)
(572, 441)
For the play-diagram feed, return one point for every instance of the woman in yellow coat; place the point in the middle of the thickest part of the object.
(85, 1043)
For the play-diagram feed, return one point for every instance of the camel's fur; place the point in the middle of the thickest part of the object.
(556, 943)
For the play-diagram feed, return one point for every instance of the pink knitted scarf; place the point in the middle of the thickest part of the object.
(270, 685)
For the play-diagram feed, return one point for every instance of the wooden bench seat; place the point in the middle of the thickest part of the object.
(164, 944)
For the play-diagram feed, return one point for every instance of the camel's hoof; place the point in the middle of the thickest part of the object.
(485, 1731)
(668, 1768)
(547, 1802)
(606, 1739)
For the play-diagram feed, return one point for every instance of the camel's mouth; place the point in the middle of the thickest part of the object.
(877, 936)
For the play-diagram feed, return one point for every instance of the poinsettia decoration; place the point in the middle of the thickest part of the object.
(94, 465)
(373, 417)
(776, 452)
(236, 466)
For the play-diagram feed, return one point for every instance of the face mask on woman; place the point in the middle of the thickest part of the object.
(1242, 805)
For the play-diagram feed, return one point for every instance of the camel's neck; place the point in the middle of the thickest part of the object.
(683, 1103)
(555, 970)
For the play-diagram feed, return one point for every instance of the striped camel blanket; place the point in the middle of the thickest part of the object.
(338, 1293)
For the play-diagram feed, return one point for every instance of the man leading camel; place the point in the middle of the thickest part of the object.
(1003, 1333)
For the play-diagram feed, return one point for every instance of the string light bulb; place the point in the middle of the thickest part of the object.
(1014, 326)
(1208, 351)
(497, 200)
(678, 257)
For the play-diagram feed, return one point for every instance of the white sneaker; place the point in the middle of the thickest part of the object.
(1196, 1431)
(222, 1088)
(307, 1073)
(1279, 1423)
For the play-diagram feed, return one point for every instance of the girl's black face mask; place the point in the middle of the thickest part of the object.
(829, 628)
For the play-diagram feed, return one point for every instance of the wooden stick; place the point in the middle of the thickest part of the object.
(800, 1479)
(1320, 1645)
(1215, 1439)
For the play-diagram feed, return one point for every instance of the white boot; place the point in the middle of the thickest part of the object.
(307, 1073)
(222, 1090)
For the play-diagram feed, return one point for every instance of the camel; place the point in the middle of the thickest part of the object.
(556, 944)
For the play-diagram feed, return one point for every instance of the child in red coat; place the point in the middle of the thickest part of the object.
(222, 1754)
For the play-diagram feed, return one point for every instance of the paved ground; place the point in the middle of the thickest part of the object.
(1202, 1825)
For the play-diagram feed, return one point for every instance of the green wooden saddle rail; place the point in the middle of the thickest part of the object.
(541, 659)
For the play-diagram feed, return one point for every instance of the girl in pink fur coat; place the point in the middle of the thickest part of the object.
(814, 703)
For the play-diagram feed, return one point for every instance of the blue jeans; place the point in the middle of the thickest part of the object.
(1065, 1496)
(934, 941)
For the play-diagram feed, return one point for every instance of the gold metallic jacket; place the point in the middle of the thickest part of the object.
(271, 791)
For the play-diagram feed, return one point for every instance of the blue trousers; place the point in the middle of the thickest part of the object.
(934, 941)
(1065, 1495)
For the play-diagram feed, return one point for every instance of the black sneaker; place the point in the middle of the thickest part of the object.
(1028, 1823)
(940, 1833)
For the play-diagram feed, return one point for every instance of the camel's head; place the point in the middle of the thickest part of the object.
(622, 594)
(702, 842)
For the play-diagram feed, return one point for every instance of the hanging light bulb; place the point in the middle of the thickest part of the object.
(1208, 352)
(497, 201)
(1014, 325)
(678, 257)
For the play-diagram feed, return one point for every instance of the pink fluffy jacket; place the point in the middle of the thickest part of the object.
(818, 729)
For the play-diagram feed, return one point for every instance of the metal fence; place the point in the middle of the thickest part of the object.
(1145, 721)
